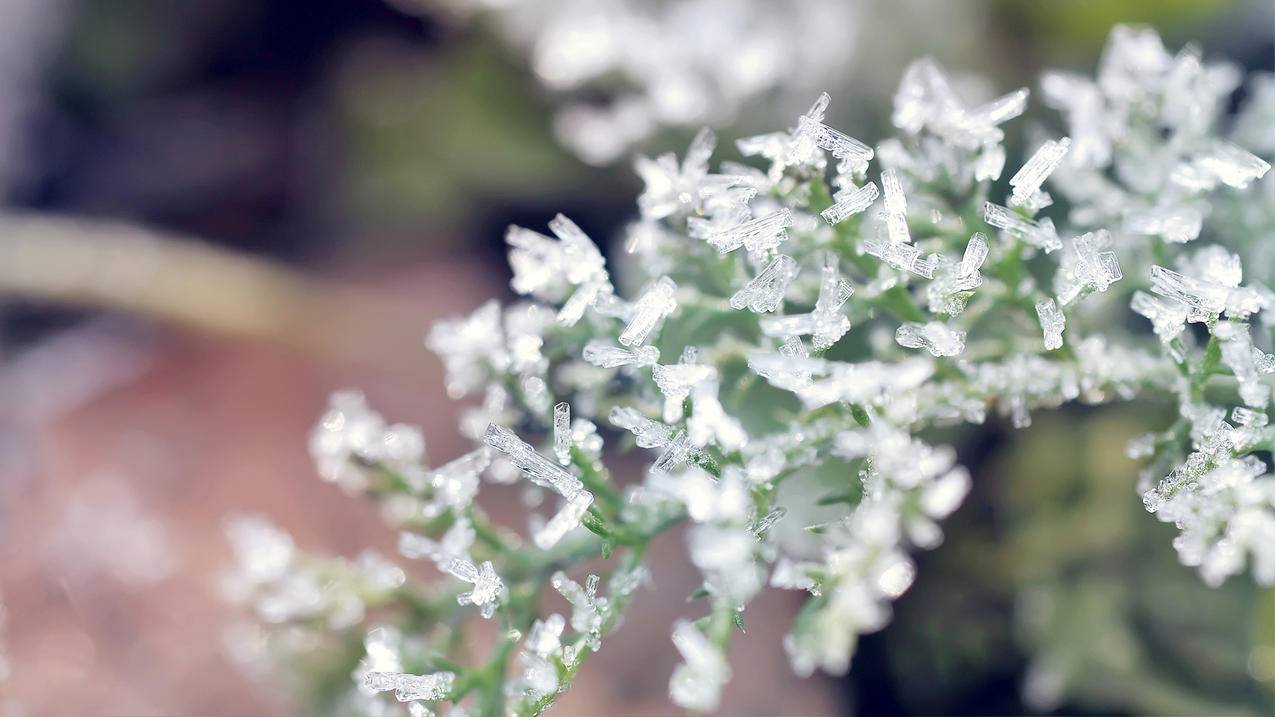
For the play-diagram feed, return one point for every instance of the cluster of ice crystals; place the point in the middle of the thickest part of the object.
(1087, 266)
(350, 439)
(1247, 362)
(936, 337)
(803, 146)
(1029, 178)
(656, 302)
(951, 288)
(926, 101)
(697, 683)
(588, 609)
(1040, 234)
(765, 292)
(1052, 323)
(570, 267)
(908, 486)
(756, 235)
(626, 70)
(1144, 168)
(281, 586)
(604, 355)
(546, 474)
(1223, 505)
(849, 202)
(408, 687)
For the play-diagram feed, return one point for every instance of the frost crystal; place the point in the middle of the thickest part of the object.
(1153, 159)
(849, 202)
(562, 433)
(830, 321)
(408, 687)
(1028, 180)
(1039, 234)
(697, 683)
(1052, 323)
(756, 235)
(935, 337)
(1085, 268)
(655, 303)
(765, 292)
(604, 355)
(546, 474)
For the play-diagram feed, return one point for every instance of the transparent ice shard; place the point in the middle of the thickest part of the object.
(811, 129)
(580, 300)
(1052, 323)
(895, 207)
(604, 355)
(895, 201)
(454, 484)
(755, 235)
(1039, 234)
(1201, 297)
(765, 292)
(1028, 179)
(564, 521)
(587, 610)
(1167, 319)
(675, 382)
(538, 469)
(830, 321)
(901, 255)
(849, 203)
(648, 433)
(1233, 166)
(936, 337)
(1247, 362)
(975, 254)
(1085, 267)
(562, 433)
(1000, 110)
(408, 687)
(655, 303)
(487, 585)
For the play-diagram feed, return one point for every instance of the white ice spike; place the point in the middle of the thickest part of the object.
(765, 292)
(655, 303)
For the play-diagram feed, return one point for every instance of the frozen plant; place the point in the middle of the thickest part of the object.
(756, 349)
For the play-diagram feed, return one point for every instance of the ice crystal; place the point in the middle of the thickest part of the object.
(654, 304)
(1052, 323)
(544, 473)
(408, 688)
(935, 337)
(603, 355)
(697, 683)
(765, 292)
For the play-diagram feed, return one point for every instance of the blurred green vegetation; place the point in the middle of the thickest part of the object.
(1053, 576)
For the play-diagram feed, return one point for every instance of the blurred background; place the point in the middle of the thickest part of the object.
(215, 212)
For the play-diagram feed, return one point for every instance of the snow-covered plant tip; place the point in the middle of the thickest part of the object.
(798, 324)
